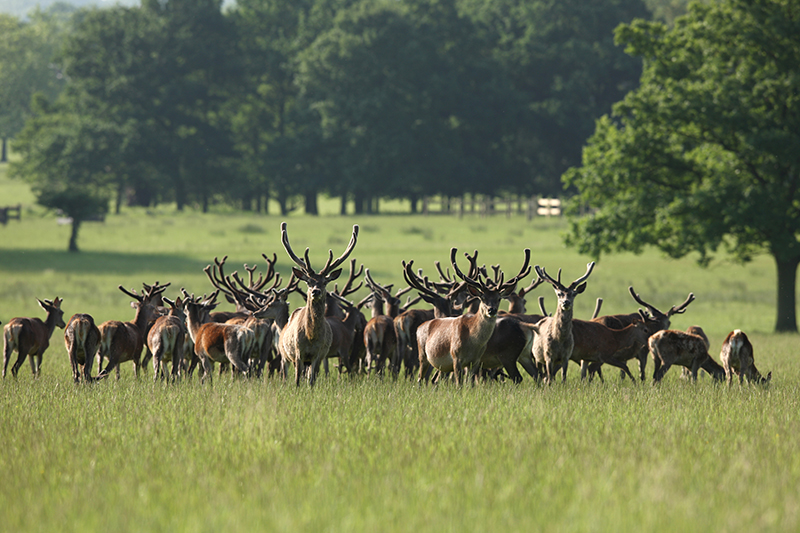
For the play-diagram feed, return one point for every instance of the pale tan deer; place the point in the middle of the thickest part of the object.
(166, 340)
(451, 344)
(672, 347)
(123, 341)
(553, 345)
(81, 337)
(737, 358)
(31, 336)
(306, 339)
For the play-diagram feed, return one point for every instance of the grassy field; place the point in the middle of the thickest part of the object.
(368, 455)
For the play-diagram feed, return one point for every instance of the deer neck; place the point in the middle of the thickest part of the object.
(50, 323)
(481, 324)
(315, 311)
(193, 321)
(562, 322)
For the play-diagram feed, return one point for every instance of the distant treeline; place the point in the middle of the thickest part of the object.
(184, 101)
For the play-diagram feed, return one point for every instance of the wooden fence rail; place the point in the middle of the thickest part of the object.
(485, 206)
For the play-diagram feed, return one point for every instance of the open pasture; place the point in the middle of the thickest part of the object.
(364, 454)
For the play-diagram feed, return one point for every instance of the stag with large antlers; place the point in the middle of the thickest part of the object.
(306, 339)
(81, 337)
(123, 341)
(31, 336)
(653, 319)
(453, 343)
(553, 345)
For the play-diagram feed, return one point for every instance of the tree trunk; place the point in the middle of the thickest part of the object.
(73, 237)
(4, 151)
(311, 203)
(786, 321)
(358, 200)
(343, 207)
(414, 199)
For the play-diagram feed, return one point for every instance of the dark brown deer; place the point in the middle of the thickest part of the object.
(653, 319)
(672, 347)
(451, 344)
(81, 337)
(737, 358)
(596, 344)
(123, 341)
(306, 339)
(31, 336)
(166, 340)
(380, 337)
(553, 345)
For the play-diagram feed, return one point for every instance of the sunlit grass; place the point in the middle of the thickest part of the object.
(370, 455)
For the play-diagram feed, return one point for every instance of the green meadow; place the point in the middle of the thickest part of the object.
(361, 454)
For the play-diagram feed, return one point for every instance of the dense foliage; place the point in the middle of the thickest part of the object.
(706, 152)
(360, 99)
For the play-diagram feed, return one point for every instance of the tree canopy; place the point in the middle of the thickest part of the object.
(705, 154)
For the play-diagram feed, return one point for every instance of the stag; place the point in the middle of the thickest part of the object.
(553, 345)
(653, 319)
(166, 340)
(672, 347)
(737, 358)
(452, 343)
(81, 337)
(123, 341)
(306, 339)
(380, 337)
(31, 336)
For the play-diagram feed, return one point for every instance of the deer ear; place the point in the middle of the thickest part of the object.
(473, 290)
(299, 274)
(334, 275)
(581, 288)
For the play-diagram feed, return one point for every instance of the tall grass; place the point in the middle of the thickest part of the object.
(364, 454)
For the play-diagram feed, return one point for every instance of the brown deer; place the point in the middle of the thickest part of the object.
(166, 340)
(553, 345)
(672, 347)
(306, 339)
(31, 336)
(123, 341)
(81, 337)
(737, 358)
(596, 344)
(380, 337)
(451, 344)
(653, 319)
(227, 342)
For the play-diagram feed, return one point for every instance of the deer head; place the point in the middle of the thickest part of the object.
(490, 292)
(566, 295)
(317, 281)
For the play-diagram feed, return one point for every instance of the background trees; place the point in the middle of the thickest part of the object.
(361, 99)
(706, 152)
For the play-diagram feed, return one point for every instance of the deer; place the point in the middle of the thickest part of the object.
(380, 337)
(166, 340)
(31, 336)
(653, 319)
(450, 344)
(242, 295)
(217, 276)
(123, 341)
(596, 344)
(737, 358)
(307, 337)
(554, 343)
(673, 347)
(224, 342)
(81, 337)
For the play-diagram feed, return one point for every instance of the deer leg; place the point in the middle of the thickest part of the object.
(32, 361)
(642, 363)
(21, 355)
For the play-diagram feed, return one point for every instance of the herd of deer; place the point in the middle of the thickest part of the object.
(464, 335)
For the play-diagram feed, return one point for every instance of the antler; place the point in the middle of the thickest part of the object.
(557, 283)
(681, 308)
(330, 264)
(348, 286)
